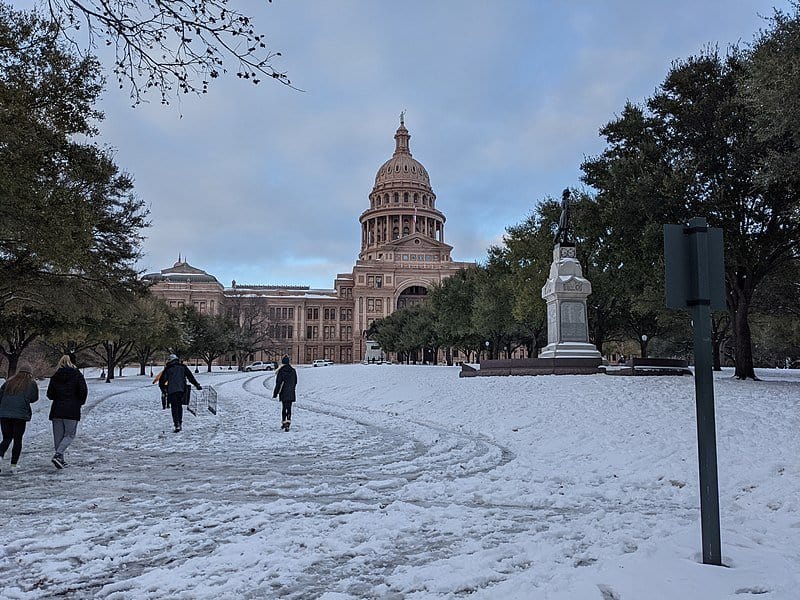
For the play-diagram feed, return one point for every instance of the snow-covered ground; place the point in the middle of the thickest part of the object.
(406, 482)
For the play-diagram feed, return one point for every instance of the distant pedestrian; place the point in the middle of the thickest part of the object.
(16, 396)
(285, 384)
(173, 383)
(67, 390)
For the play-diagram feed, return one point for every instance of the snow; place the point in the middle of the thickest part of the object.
(406, 482)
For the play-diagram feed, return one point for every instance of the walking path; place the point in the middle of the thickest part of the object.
(367, 496)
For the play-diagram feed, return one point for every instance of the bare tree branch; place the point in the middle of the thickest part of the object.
(172, 46)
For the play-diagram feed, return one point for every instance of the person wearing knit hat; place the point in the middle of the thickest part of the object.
(67, 390)
(16, 396)
(285, 384)
(174, 383)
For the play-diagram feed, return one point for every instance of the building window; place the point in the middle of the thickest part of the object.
(346, 314)
(405, 197)
(370, 305)
(312, 332)
(329, 314)
(312, 314)
(345, 355)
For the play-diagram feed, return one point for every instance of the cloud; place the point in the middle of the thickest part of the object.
(264, 184)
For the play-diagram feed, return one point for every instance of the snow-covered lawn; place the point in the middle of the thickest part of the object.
(406, 482)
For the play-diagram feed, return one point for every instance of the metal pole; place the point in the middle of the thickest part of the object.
(704, 393)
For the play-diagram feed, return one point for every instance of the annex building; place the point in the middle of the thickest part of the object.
(403, 252)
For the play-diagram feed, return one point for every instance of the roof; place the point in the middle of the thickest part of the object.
(181, 271)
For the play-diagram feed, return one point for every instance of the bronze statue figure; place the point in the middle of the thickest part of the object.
(562, 234)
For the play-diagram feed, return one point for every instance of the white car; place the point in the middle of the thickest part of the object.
(260, 366)
(321, 362)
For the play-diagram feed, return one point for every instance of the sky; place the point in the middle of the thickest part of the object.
(504, 100)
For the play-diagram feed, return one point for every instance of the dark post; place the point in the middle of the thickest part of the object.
(700, 304)
(695, 279)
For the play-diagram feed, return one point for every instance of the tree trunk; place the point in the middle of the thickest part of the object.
(13, 361)
(719, 331)
(643, 346)
(739, 306)
(743, 347)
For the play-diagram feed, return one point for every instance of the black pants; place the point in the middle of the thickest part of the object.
(286, 411)
(176, 404)
(13, 429)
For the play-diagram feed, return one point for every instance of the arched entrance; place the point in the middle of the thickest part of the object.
(411, 296)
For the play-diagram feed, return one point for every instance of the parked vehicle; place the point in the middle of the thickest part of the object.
(260, 366)
(321, 362)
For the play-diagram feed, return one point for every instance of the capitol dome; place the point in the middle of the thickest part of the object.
(401, 204)
(402, 167)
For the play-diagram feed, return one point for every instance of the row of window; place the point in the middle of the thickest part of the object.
(329, 353)
(421, 257)
(281, 312)
(280, 332)
(329, 314)
(329, 332)
(378, 201)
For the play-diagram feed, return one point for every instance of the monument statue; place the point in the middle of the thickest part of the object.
(562, 234)
(565, 292)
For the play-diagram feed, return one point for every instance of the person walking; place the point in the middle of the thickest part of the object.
(67, 390)
(285, 384)
(16, 396)
(173, 383)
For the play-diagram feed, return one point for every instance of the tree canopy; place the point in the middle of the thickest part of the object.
(70, 224)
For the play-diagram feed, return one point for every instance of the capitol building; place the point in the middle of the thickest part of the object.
(403, 253)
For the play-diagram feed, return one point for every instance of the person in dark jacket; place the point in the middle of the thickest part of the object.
(173, 383)
(16, 396)
(285, 384)
(67, 390)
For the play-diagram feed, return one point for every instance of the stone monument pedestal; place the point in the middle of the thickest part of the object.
(565, 292)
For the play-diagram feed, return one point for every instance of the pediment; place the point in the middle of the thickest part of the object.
(417, 242)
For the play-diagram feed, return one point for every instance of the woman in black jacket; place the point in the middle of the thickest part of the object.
(67, 390)
(285, 384)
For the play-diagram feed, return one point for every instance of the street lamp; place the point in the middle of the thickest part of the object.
(644, 344)
(486, 343)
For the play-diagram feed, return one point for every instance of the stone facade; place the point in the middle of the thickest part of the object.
(403, 253)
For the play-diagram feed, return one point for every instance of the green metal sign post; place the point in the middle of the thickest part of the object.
(695, 279)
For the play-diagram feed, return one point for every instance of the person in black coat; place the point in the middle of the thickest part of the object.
(173, 383)
(67, 390)
(285, 384)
